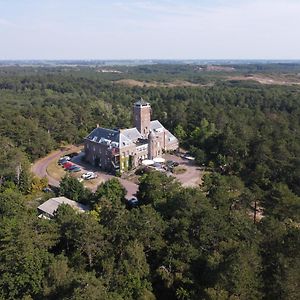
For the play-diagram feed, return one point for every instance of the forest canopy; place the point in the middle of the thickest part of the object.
(180, 243)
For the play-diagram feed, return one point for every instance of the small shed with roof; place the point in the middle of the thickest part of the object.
(48, 208)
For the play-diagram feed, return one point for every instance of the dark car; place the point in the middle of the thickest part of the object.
(73, 154)
(62, 161)
(47, 190)
(171, 164)
(133, 202)
(74, 169)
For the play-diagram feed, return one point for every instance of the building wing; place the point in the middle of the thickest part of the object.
(171, 138)
(100, 134)
(124, 141)
(156, 126)
(132, 134)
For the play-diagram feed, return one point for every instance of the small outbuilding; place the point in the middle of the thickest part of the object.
(48, 208)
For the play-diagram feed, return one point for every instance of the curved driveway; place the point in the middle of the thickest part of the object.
(191, 178)
(39, 168)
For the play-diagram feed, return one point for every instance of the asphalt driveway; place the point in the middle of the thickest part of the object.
(39, 168)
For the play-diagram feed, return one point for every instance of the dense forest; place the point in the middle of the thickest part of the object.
(180, 243)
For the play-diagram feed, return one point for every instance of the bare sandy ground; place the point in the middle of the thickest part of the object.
(280, 79)
(268, 79)
(175, 83)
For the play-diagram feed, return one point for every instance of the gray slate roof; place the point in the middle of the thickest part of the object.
(107, 136)
(170, 136)
(132, 134)
(154, 125)
(51, 205)
(105, 133)
(124, 137)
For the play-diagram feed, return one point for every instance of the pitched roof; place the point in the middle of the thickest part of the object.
(124, 141)
(132, 134)
(104, 133)
(156, 125)
(108, 136)
(51, 205)
(141, 102)
(170, 136)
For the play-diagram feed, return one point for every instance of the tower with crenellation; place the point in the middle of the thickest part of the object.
(142, 117)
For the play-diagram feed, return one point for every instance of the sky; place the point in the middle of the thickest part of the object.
(159, 29)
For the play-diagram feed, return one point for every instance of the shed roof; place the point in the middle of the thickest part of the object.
(51, 205)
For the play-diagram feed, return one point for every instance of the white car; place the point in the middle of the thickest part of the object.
(89, 175)
(64, 158)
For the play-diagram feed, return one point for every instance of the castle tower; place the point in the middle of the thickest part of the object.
(151, 145)
(142, 117)
(154, 145)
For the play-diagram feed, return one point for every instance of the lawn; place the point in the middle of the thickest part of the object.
(55, 171)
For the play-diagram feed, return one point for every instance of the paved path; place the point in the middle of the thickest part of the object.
(193, 175)
(130, 187)
(190, 178)
(39, 168)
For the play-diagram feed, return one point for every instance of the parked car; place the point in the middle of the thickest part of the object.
(64, 159)
(132, 202)
(47, 190)
(171, 163)
(74, 169)
(73, 154)
(89, 175)
(188, 156)
(61, 161)
(68, 165)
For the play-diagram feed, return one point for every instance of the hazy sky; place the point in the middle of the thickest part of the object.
(128, 29)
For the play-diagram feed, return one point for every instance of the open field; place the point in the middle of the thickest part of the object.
(271, 79)
(175, 83)
(264, 79)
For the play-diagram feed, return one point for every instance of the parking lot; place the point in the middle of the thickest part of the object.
(191, 177)
(92, 184)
